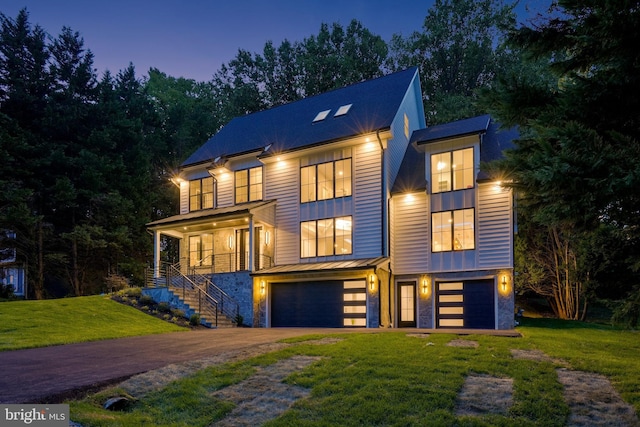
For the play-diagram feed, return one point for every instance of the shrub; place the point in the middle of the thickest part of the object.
(179, 313)
(166, 316)
(115, 282)
(6, 291)
(146, 300)
(133, 292)
(164, 307)
(194, 320)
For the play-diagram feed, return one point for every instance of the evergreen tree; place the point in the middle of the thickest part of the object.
(577, 162)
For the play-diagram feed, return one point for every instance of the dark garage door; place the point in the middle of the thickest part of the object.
(466, 304)
(310, 304)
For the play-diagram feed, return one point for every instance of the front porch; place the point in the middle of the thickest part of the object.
(213, 241)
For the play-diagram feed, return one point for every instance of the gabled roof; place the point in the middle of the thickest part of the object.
(374, 104)
(495, 141)
(459, 128)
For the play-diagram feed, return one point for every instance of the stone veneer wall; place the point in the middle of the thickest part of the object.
(238, 286)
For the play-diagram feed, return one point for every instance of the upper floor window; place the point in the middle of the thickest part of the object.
(248, 185)
(201, 194)
(325, 237)
(325, 181)
(453, 230)
(452, 170)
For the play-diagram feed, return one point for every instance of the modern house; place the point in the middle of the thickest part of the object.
(299, 215)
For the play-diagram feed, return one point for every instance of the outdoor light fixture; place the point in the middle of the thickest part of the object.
(267, 238)
(425, 285)
(372, 282)
(176, 180)
(504, 283)
(262, 287)
(231, 242)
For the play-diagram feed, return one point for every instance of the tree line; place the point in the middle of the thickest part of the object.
(87, 158)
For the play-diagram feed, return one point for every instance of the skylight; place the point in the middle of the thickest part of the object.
(321, 116)
(342, 110)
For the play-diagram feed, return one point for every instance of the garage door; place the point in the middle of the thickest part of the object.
(326, 304)
(467, 304)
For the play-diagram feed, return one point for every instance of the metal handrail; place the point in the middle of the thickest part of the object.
(172, 275)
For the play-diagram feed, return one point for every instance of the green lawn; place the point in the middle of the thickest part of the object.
(25, 324)
(394, 379)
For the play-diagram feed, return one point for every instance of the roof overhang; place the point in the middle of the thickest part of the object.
(168, 225)
(323, 267)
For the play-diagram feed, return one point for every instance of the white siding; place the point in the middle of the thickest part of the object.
(281, 183)
(224, 195)
(266, 215)
(367, 197)
(184, 197)
(410, 233)
(495, 219)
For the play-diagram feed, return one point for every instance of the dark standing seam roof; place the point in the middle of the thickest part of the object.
(494, 142)
(289, 127)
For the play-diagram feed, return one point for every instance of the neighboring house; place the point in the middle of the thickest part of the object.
(12, 272)
(290, 211)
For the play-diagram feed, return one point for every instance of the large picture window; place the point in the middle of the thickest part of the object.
(452, 170)
(453, 230)
(248, 185)
(325, 181)
(325, 237)
(201, 194)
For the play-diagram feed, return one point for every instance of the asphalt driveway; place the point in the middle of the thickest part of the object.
(49, 374)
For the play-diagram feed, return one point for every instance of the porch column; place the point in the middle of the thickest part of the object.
(251, 243)
(156, 254)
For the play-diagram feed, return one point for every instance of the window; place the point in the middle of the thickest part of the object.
(325, 237)
(200, 250)
(452, 170)
(406, 125)
(201, 194)
(325, 181)
(453, 230)
(248, 185)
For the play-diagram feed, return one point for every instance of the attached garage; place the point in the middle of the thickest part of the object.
(466, 304)
(319, 304)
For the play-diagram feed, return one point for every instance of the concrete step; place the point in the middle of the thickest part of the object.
(207, 313)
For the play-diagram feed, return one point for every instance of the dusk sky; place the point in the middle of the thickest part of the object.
(193, 38)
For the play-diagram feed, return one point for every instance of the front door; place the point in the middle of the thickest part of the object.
(407, 305)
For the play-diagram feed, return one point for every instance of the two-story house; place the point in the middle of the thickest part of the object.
(297, 213)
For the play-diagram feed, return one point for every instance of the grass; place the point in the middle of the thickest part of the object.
(393, 379)
(26, 324)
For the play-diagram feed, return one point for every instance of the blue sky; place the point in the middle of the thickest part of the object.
(192, 38)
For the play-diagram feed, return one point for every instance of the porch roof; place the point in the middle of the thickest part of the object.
(209, 214)
(318, 267)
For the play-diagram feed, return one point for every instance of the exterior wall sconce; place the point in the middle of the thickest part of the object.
(372, 282)
(231, 242)
(177, 181)
(262, 287)
(504, 283)
(267, 238)
(424, 285)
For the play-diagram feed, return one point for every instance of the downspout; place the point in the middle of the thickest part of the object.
(390, 274)
(383, 195)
